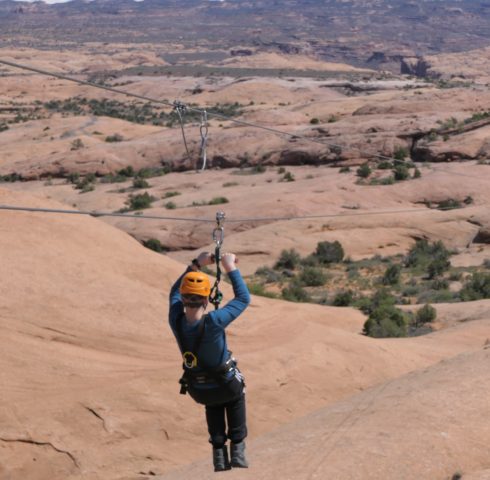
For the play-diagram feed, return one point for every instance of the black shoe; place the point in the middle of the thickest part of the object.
(238, 458)
(220, 459)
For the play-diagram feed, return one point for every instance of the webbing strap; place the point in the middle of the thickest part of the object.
(197, 343)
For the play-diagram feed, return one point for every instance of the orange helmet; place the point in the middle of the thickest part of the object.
(195, 283)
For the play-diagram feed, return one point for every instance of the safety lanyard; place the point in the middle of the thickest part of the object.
(216, 296)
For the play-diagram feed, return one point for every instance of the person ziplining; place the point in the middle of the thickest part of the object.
(211, 376)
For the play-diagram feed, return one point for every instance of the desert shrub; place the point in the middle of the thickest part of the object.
(127, 171)
(114, 138)
(476, 287)
(329, 252)
(314, 121)
(230, 184)
(312, 277)
(364, 171)
(344, 169)
(281, 170)
(140, 201)
(270, 275)
(439, 284)
(400, 153)
(422, 253)
(295, 292)
(3, 127)
(140, 183)
(392, 275)
(288, 177)
(155, 245)
(73, 177)
(438, 266)
(417, 173)
(343, 299)
(486, 263)
(449, 204)
(113, 178)
(218, 201)
(86, 184)
(425, 314)
(11, 177)
(387, 180)
(259, 168)
(437, 296)
(77, 144)
(171, 194)
(170, 206)
(149, 172)
(259, 289)
(401, 172)
(384, 165)
(381, 297)
(288, 259)
(386, 321)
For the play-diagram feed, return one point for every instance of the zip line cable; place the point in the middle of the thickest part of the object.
(236, 220)
(181, 107)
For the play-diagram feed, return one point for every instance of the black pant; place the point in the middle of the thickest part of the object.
(235, 417)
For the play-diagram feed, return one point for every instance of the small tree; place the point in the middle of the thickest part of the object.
(329, 252)
(140, 201)
(392, 275)
(425, 314)
(386, 321)
(343, 299)
(289, 259)
(312, 277)
(364, 171)
(295, 292)
(401, 172)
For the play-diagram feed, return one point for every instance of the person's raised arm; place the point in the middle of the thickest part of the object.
(235, 307)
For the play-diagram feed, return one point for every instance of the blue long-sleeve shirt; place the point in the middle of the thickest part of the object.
(213, 350)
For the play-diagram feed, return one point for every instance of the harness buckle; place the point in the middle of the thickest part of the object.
(190, 360)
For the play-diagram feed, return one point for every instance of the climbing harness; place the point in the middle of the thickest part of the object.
(203, 130)
(216, 296)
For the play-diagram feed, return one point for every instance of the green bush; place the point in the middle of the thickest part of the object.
(343, 299)
(314, 121)
(449, 204)
(218, 201)
(288, 177)
(155, 245)
(170, 194)
(11, 177)
(289, 259)
(77, 144)
(126, 171)
(259, 289)
(140, 183)
(438, 266)
(392, 275)
(73, 177)
(230, 184)
(140, 201)
(417, 173)
(329, 252)
(423, 252)
(476, 287)
(384, 165)
(294, 292)
(400, 153)
(271, 276)
(401, 172)
(344, 169)
(425, 314)
(386, 321)
(364, 171)
(114, 138)
(312, 277)
(170, 206)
